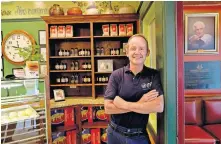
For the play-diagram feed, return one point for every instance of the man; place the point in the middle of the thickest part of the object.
(200, 40)
(132, 93)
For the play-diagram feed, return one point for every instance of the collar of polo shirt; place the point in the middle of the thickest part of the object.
(127, 70)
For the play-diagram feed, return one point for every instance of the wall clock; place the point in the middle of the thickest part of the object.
(14, 40)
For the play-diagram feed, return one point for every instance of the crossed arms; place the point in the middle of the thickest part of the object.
(149, 103)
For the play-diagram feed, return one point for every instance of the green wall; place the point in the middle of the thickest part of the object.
(31, 27)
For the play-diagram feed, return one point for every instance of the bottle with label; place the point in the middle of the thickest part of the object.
(58, 80)
(97, 79)
(89, 66)
(62, 79)
(76, 52)
(100, 79)
(85, 79)
(82, 52)
(76, 80)
(72, 65)
(84, 65)
(60, 53)
(117, 52)
(79, 53)
(66, 80)
(68, 53)
(72, 79)
(61, 66)
(102, 50)
(89, 79)
(64, 52)
(65, 66)
(57, 66)
(85, 52)
(106, 79)
(72, 52)
(76, 65)
(114, 51)
(98, 51)
(89, 52)
(103, 79)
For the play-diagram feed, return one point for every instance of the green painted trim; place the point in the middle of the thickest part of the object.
(170, 117)
(145, 8)
(21, 20)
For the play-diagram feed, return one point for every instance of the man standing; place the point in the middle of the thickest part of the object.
(200, 40)
(132, 93)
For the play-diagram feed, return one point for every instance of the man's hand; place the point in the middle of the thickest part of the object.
(194, 38)
(120, 103)
(151, 95)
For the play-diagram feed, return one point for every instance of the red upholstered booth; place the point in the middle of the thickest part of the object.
(194, 133)
(212, 117)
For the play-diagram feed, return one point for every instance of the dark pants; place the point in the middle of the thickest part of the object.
(116, 137)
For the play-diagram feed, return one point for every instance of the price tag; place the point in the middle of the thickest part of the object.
(73, 86)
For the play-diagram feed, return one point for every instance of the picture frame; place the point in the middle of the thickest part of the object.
(201, 33)
(43, 70)
(105, 65)
(18, 72)
(43, 53)
(59, 95)
(42, 37)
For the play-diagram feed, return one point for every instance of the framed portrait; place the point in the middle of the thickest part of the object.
(201, 33)
(18, 72)
(105, 65)
(43, 70)
(42, 37)
(43, 53)
(59, 94)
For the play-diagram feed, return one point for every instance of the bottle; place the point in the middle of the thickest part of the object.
(102, 51)
(106, 79)
(88, 79)
(85, 52)
(72, 65)
(72, 79)
(85, 65)
(76, 52)
(66, 79)
(113, 51)
(79, 52)
(85, 79)
(72, 52)
(62, 79)
(98, 51)
(58, 80)
(57, 66)
(89, 66)
(76, 80)
(60, 53)
(89, 52)
(76, 65)
(97, 79)
(61, 66)
(100, 79)
(68, 53)
(82, 52)
(64, 66)
(117, 51)
(103, 79)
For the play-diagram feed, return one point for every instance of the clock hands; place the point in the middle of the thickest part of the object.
(17, 44)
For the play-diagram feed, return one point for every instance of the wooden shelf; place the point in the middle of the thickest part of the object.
(99, 124)
(69, 57)
(112, 36)
(110, 56)
(70, 71)
(66, 128)
(102, 72)
(101, 84)
(65, 85)
(80, 37)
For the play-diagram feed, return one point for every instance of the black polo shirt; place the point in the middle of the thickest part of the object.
(131, 88)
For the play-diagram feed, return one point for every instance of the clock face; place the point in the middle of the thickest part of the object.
(15, 41)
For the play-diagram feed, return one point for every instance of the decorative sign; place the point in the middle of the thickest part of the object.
(203, 75)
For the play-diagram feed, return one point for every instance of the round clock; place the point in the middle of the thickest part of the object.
(14, 40)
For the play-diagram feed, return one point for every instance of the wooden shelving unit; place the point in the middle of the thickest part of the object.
(88, 35)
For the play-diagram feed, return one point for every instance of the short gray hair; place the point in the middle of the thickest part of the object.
(198, 23)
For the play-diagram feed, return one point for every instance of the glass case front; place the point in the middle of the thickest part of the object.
(23, 111)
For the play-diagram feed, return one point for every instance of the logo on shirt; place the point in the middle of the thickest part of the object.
(146, 85)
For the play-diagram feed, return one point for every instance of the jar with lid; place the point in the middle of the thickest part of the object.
(66, 80)
(88, 79)
(82, 52)
(72, 79)
(84, 65)
(62, 79)
(65, 66)
(79, 52)
(89, 65)
(89, 52)
(117, 52)
(106, 79)
(76, 80)
(61, 66)
(85, 79)
(58, 80)
(103, 79)
(85, 52)
(68, 53)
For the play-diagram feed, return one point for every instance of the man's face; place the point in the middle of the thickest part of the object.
(199, 30)
(137, 50)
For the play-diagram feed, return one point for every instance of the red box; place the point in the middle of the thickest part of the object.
(74, 137)
(98, 136)
(68, 137)
(90, 114)
(93, 136)
(69, 116)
